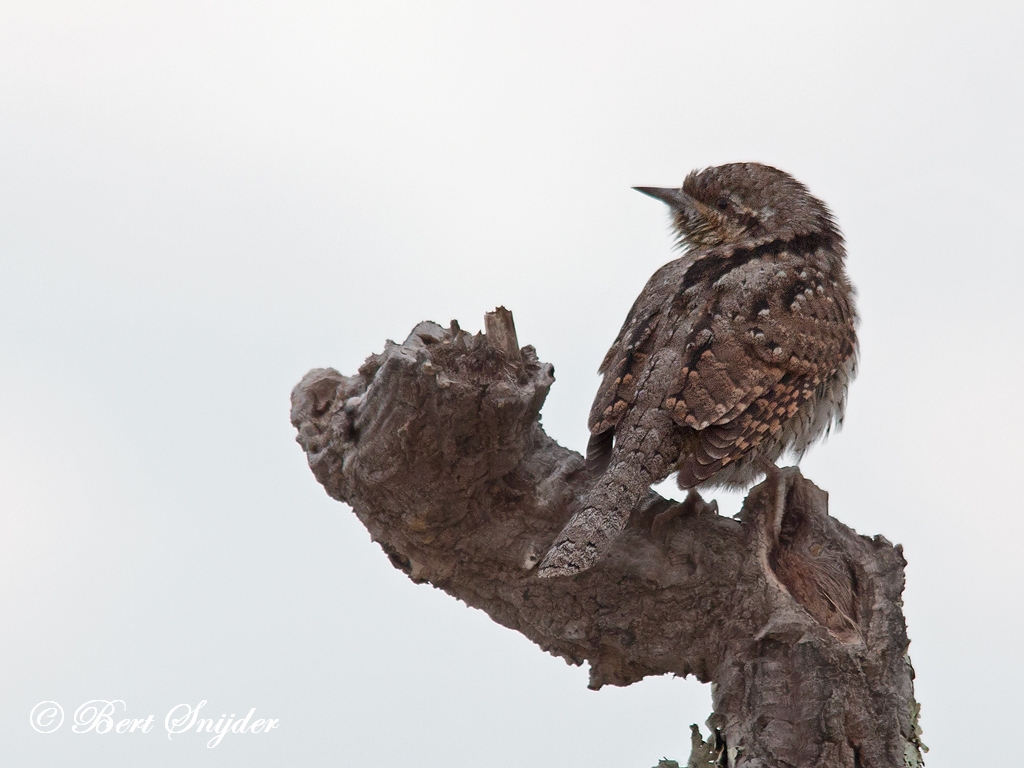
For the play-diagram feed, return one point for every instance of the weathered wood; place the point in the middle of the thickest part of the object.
(500, 330)
(795, 619)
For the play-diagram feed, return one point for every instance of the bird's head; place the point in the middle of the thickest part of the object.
(743, 205)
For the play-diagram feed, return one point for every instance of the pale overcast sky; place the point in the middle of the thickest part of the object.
(199, 201)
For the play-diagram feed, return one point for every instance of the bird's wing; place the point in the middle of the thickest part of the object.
(748, 360)
(753, 373)
(719, 375)
(715, 377)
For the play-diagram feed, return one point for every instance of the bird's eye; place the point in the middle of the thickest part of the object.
(722, 204)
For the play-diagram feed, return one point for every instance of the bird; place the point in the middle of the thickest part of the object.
(738, 351)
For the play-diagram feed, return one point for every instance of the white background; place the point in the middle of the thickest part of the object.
(199, 201)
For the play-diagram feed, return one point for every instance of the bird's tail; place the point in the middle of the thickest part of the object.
(591, 531)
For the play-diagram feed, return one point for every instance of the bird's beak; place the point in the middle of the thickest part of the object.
(674, 197)
(689, 214)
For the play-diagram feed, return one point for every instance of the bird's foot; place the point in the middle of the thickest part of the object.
(693, 504)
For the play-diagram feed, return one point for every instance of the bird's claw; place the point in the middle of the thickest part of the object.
(692, 504)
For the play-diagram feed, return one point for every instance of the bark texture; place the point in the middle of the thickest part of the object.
(793, 617)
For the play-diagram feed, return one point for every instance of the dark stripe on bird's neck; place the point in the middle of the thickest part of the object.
(715, 265)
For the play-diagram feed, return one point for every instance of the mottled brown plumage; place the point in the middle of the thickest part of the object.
(734, 353)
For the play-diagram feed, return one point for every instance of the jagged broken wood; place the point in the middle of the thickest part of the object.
(795, 619)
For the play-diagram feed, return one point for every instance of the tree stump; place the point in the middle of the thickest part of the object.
(793, 617)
